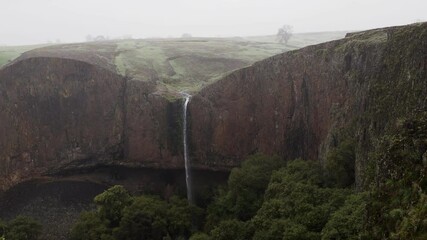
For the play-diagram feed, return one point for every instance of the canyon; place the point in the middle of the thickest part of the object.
(62, 117)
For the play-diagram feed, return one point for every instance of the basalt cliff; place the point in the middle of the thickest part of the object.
(60, 115)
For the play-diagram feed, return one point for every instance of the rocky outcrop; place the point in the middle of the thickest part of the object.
(60, 114)
(57, 114)
(300, 103)
(153, 128)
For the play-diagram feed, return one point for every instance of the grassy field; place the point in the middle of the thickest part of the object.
(7, 53)
(188, 64)
(174, 65)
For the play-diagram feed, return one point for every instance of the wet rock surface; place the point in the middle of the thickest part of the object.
(60, 114)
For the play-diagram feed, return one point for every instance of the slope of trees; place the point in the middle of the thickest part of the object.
(268, 199)
(121, 216)
(20, 228)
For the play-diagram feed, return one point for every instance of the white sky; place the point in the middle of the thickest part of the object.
(39, 21)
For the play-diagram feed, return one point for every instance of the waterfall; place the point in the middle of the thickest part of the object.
(186, 157)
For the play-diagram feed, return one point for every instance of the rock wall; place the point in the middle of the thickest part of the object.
(55, 114)
(61, 114)
(300, 103)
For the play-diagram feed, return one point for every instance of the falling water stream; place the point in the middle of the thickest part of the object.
(186, 157)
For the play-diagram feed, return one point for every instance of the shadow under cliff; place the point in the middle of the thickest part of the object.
(57, 201)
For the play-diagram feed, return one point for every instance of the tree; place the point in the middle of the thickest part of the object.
(146, 218)
(111, 203)
(340, 165)
(295, 203)
(347, 222)
(91, 227)
(397, 204)
(231, 229)
(200, 236)
(284, 34)
(23, 228)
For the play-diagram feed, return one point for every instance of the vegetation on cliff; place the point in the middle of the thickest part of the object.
(20, 228)
(264, 199)
(122, 216)
(398, 201)
(267, 198)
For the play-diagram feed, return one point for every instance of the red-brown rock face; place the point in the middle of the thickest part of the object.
(59, 114)
(281, 105)
(153, 129)
(299, 103)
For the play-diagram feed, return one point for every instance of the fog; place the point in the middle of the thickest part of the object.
(41, 21)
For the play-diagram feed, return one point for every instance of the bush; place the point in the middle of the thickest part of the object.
(231, 229)
(340, 165)
(23, 228)
(91, 226)
(398, 199)
(347, 222)
(111, 203)
(200, 236)
(295, 200)
(143, 217)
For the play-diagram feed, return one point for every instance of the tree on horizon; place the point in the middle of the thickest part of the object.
(284, 34)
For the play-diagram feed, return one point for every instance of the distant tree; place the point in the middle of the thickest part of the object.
(186, 35)
(284, 34)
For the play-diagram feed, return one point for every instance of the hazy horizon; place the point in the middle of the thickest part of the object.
(25, 22)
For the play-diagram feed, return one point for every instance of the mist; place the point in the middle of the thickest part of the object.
(25, 22)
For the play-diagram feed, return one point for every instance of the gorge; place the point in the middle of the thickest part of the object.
(67, 118)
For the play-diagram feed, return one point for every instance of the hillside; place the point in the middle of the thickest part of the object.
(107, 113)
(174, 65)
(290, 104)
(9, 53)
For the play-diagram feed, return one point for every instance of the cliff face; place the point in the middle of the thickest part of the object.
(300, 103)
(58, 114)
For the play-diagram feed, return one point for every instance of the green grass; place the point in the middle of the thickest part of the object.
(174, 65)
(190, 64)
(9, 53)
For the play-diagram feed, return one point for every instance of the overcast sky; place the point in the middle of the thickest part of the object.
(40, 21)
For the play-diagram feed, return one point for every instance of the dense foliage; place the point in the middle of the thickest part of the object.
(340, 164)
(121, 216)
(398, 206)
(20, 228)
(295, 204)
(268, 199)
(246, 187)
